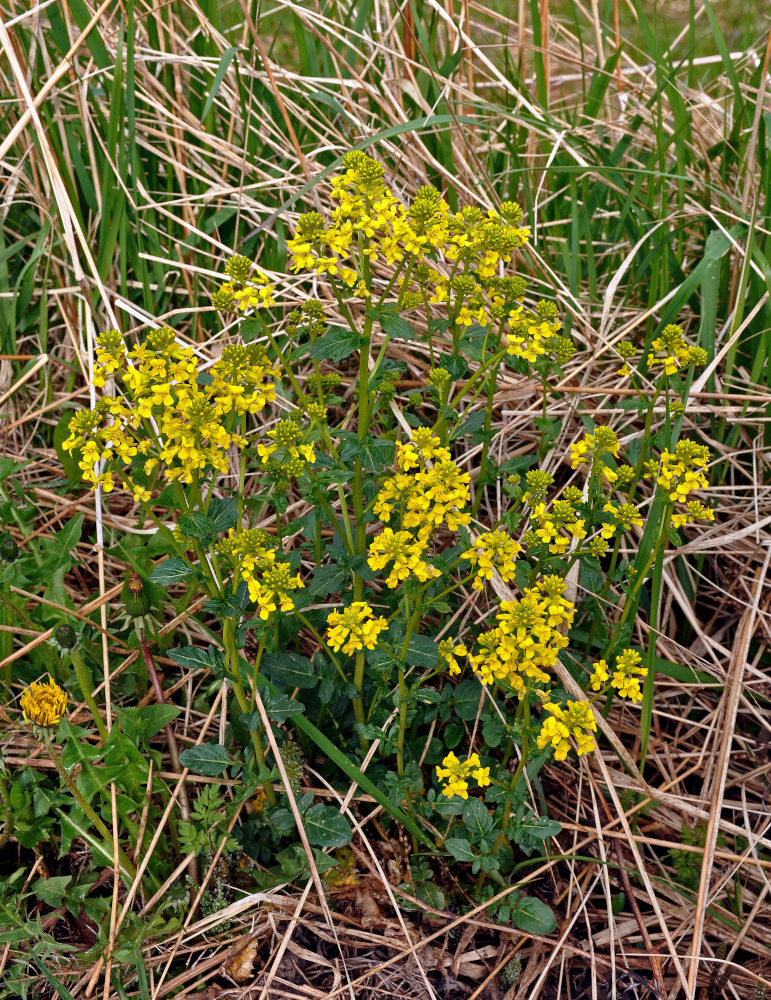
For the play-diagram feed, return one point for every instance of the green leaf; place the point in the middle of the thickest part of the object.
(170, 571)
(326, 827)
(197, 525)
(395, 326)
(373, 454)
(219, 76)
(466, 699)
(290, 670)
(533, 916)
(529, 831)
(223, 513)
(459, 848)
(336, 344)
(328, 580)
(469, 426)
(141, 724)
(421, 652)
(477, 819)
(52, 891)
(279, 707)
(195, 658)
(209, 759)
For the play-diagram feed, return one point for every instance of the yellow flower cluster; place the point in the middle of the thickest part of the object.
(428, 490)
(270, 582)
(680, 473)
(288, 450)
(354, 628)
(625, 517)
(526, 640)
(244, 290)
(670, 351)
(491, 551)
(528, 335)
(421, 239)
(406, 553)
(449, 650)
(164, 415)
(456, 773)
(626, 675)
(575, 721)
(43, 703)
(563, 517)
(592, 448)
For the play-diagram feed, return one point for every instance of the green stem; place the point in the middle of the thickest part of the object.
(646, 708)
(6, 636)
(631, 598)
(7, 821)
(358, 700)
(234, 670)
(86, 684)
(411, 626)
(127, 866)
(493, 378)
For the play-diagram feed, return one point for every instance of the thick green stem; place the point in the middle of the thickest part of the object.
(86, 685)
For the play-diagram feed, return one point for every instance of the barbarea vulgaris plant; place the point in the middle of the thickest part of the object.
(361, 534)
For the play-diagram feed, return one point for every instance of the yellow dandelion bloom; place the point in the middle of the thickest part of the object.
(43, 703)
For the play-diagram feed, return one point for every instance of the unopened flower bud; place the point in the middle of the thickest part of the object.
(9, 550)
(66, 638)
(134, 596)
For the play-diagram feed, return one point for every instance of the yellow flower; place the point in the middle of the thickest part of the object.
(600, 674)
(405, 552)
(575, 720)
(43, 704)
(270, 591)
(627, 675)
(456, 773)
(592, 447)
(493, 550)
(353, 628)
(449, 649)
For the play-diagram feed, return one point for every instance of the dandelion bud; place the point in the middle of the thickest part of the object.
(9, 550)
(134, 596)
(65, 638)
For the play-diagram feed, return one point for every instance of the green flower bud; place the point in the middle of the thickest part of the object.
(9, 550)
(66, 638)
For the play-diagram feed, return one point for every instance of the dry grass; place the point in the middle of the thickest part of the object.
(709, 761)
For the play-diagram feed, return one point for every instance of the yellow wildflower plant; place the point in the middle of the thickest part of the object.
(43, 703)
(354, 628)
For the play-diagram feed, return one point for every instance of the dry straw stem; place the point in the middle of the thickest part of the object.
(273, 134)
